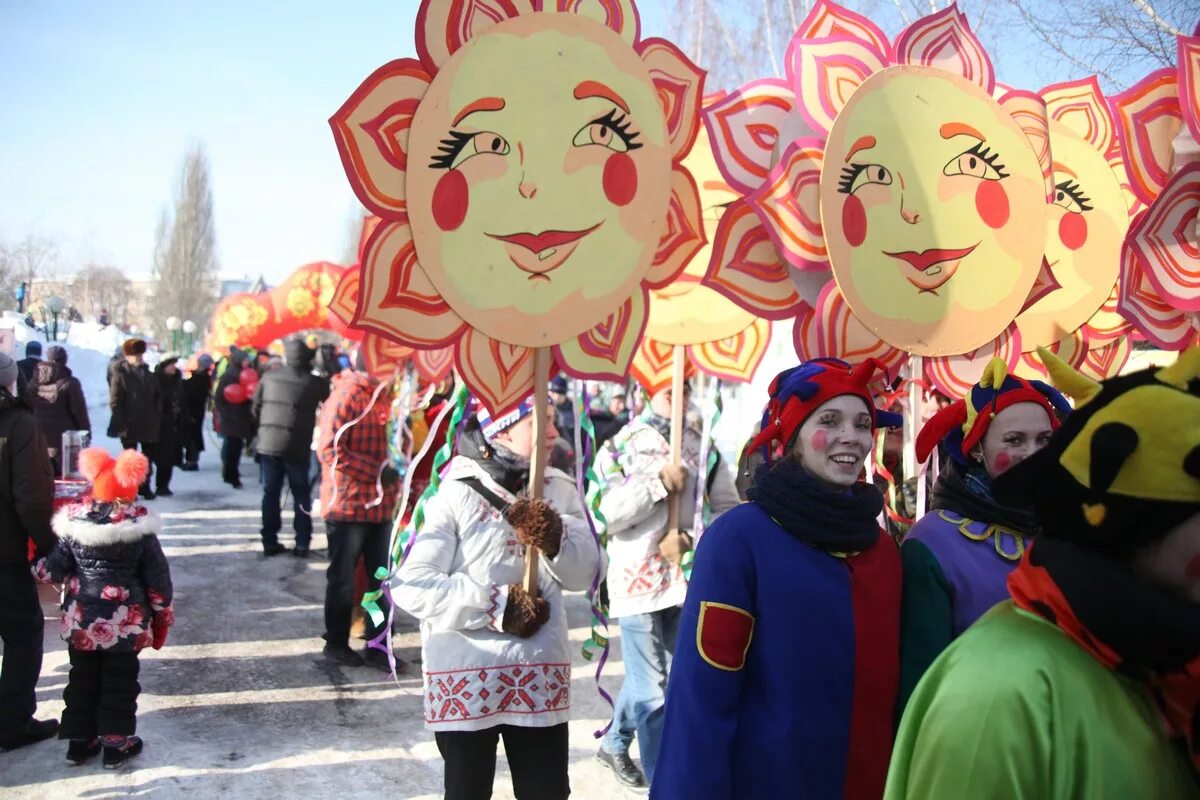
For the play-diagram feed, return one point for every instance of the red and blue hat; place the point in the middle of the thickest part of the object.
(797, 392)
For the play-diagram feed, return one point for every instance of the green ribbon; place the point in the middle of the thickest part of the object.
(597, 642)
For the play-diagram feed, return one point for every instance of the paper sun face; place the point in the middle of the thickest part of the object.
(527, 193)
(1086, 226)
(929, 194)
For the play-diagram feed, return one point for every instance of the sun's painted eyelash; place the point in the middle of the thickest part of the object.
(986, 155)
(1073, 190)
(620, 125)
(849, 173)
(451, 146)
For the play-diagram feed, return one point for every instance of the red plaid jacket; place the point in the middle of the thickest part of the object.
(352, 463)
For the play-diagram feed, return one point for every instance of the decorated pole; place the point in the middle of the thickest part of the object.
(537, 457)
(677, 382)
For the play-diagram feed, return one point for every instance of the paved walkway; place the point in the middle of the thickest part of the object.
(240, 704)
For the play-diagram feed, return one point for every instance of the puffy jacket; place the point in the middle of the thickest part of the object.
(352, 458)
(136, 403)
(26, 484)
(231, 419)
(116, 580)
(174, 410)
(285, 406)
(196, 389)
(56, 397)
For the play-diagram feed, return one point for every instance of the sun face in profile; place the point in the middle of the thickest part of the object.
(527, 169)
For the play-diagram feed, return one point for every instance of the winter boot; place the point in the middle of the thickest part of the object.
(119, 750)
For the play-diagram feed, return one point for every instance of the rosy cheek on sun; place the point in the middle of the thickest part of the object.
(1073, 230)
(620, 179)
(854, 221)
(991, 201)
(450, 200)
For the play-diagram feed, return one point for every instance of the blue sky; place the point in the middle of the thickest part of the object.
(101, 99)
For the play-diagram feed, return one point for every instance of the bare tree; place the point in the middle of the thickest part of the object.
(185, 249)
(31, 260)
(99, 288)
(354, 224)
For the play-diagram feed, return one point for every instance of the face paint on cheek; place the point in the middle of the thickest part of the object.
(819, 441)
(450, 197)
(1002, 462)
(854, 221)
(1193, 567)
(620, 179)
(991, 201)
(1073, 231)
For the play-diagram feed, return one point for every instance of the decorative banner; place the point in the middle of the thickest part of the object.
(382, 357)
(953, 376)
(653, 364)
(528, 172)
(302, 300)
(241, 319)
(1087, 224)
(830, 330)
(1148, 117)
(342, 304)
(1107, 325)
(1165, 240)
(735, 358)
(1100, 363)
(1072, 349)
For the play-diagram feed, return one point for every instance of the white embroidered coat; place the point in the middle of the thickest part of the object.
(455, 581)
(635, 508)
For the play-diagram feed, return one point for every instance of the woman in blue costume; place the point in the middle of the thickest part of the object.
(958, 556)
(785, 674)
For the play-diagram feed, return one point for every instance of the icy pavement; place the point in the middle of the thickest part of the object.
(240, 704)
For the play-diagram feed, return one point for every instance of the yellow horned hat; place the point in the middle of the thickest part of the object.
(1124, 468)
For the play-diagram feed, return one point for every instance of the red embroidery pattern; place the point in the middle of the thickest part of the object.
(476, 694)
(651, 576)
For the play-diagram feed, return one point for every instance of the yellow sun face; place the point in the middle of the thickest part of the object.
(539, 176)
(1087, 224)
(933, 207)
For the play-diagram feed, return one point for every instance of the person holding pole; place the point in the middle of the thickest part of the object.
(957, 557)
(785, 674)
(496, 656)
(646, 584)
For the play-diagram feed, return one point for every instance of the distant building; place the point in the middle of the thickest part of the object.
(247, 284)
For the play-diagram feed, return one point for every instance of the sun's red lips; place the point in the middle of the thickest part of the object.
(927, 258)
(539, 242)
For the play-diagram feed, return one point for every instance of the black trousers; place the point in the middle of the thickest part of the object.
(150, 450)
(193, 441)
(101, 695)
(21, 625)
(347, 541)
(167, 458)
(537, 759)
(231, 457)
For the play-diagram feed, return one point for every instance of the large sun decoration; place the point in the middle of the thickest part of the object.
(1159, 290)
(717, 337)
(527, 172)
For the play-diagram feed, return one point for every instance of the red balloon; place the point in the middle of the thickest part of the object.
(248, 378)
(235, 393)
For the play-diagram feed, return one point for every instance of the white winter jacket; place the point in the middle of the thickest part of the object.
(635, 508)
(455, 581)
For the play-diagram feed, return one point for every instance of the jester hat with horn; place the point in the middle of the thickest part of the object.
(963, 424)
(797, 392)
(1124, 468)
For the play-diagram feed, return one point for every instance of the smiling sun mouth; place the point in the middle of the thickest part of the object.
(541, 253)
(932, 267)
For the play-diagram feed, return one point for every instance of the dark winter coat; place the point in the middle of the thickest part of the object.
(285, 405)
(174, 410)
(115, 578)
(196, 390)
(136, 402)
(56, 397)
(231, 419)
(26, 367)
(26, 484)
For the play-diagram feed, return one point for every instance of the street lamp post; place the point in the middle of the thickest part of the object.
(189, 328)
(54, 306)
(173, 327)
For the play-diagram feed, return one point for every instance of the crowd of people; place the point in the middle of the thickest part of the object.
(1045, 605)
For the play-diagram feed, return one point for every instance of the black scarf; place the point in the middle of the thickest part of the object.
(501, 464)
(955, 493)
(843, 521)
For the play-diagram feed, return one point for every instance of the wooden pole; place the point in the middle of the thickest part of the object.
(537, 458)
(677, 381)
(912, 425)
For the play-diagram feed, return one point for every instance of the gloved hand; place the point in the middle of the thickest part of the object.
(536, 525)
(525, 614)
(161, 624)
(674, 478)
(389, 476)
(674, 545)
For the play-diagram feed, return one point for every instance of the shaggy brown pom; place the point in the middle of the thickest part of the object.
(536, 524)
(525, 614)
